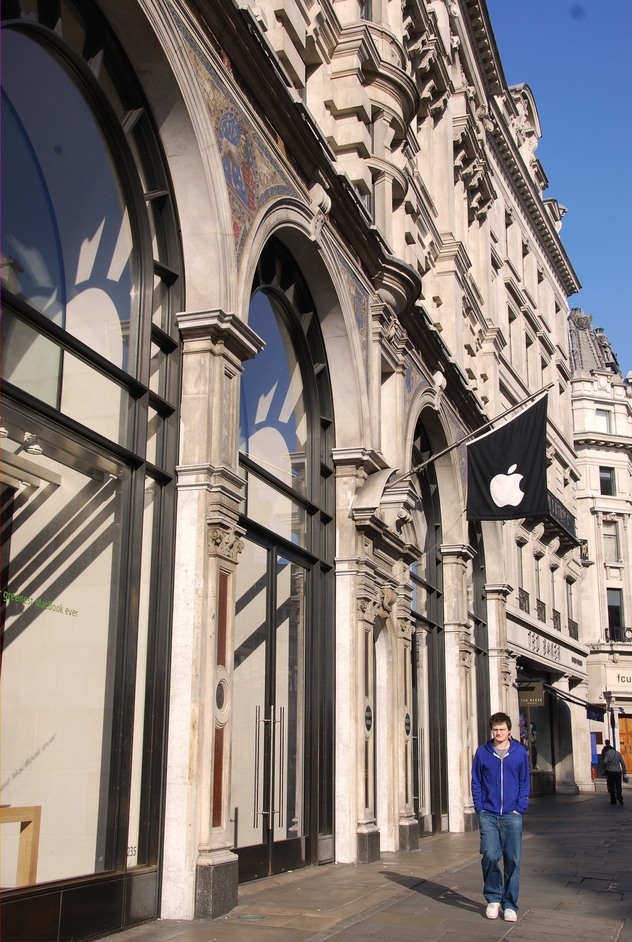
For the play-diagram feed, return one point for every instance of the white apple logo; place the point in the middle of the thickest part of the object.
(505, 488)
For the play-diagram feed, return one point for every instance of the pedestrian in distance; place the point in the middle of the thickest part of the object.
(614, 769)
(501, 783)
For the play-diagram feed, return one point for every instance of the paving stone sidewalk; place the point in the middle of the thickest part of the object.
(576, 886)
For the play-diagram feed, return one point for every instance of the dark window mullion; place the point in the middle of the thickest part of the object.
(49, 12)
(125, 681)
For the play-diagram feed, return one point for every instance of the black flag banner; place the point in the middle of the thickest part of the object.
(506, 469)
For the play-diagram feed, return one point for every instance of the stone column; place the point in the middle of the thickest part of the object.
(572, 743)
(351, 474)
(404, 732)
(501, 672)
(458, 650)
(200, 871)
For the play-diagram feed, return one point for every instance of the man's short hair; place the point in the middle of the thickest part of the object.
(497, 719)
(607, 742)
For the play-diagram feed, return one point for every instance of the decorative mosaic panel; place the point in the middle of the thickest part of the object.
(254, 174)
(359, 297)
(414, 380)
(457, 434)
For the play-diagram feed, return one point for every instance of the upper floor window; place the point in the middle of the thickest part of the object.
(538, 574)
(611, 541)
(615, 608)
(520, 558)
(607, 482)
(603, 421)
(569, 599)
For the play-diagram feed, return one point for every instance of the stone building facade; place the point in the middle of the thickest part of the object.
(260, 261)
(602, 417)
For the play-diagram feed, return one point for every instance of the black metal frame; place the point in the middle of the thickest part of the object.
(432, 581)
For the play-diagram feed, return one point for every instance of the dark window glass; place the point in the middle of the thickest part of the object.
(615, 608)
(606, 482)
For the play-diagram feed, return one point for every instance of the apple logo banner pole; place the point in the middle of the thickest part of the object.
(506, 469)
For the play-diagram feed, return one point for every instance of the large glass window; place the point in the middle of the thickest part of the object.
(90, 280)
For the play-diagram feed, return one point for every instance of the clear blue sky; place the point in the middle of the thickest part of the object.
(576, 56)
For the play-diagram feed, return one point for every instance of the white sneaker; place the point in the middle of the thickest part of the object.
(510, 915)
(492, 910)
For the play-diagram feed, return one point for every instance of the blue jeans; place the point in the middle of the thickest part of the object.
(501, 837)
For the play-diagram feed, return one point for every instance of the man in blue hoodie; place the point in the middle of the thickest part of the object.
(501, 783)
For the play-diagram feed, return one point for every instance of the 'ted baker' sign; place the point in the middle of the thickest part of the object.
(531, 693)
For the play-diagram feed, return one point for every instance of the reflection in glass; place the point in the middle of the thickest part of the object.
(66, 235)
(289, 699)
(160, 310)
(155, 432)
(273, 419)
(62, 518)
(63, 381)
(158, 370)
(94, 400)
(275, 510)
(30, 361)
(249, 695)
(149, 513)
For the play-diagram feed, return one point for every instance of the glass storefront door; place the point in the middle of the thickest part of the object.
(269, 714)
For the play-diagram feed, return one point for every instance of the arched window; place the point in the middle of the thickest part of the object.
(90, 285)
(283, 663)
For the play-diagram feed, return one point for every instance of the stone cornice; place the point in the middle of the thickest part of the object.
(484, 44)
(508, 155)
(601, 440)
(219, 327)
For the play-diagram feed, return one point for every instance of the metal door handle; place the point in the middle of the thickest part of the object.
(256, 782)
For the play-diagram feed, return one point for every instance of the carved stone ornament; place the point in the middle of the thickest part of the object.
(316, 227)
(388, 597)
(406, 627)
(368, 609)
(225, 542)
(466, 658)
(506, 671)
(371, 608)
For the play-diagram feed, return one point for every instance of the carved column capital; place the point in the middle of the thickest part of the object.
(371, 607)
(225, 541)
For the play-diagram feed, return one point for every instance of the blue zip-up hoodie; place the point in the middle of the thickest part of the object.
(501, 786)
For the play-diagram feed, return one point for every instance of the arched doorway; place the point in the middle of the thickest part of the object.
(282, 778)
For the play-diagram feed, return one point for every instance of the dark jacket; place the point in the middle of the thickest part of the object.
(612, 761)
(501, 786)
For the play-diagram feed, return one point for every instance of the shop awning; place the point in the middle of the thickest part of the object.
(594, 711)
